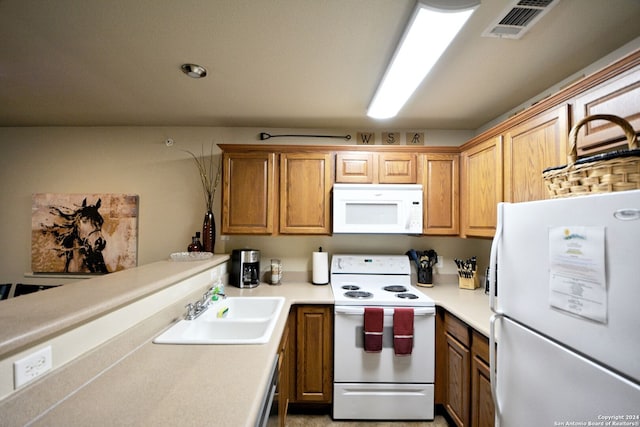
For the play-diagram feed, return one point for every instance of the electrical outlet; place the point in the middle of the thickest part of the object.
(439, 262)
(32, 366)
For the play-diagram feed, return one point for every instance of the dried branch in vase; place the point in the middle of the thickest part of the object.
(206, 168)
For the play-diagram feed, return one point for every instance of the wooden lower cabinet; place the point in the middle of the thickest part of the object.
(463, 385)
(314, 354)
(457, 368)
(482, 408)
(285, 361)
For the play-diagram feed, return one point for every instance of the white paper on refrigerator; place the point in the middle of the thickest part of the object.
(577, 281)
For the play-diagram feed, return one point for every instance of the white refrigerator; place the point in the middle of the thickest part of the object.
(567, 312)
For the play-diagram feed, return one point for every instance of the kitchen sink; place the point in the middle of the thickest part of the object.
(245, 308)
(246, 320)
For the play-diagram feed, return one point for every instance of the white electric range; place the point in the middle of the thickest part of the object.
(380, 385)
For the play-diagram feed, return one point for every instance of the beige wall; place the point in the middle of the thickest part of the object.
(136, 160)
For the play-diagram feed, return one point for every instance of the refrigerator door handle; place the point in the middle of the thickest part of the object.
(493, 260)
(492, 365)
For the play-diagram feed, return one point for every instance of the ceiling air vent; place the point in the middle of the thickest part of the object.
(518, 18)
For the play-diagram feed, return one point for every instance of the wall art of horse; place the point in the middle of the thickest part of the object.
(74, 233)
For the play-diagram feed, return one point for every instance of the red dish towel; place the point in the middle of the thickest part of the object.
(403, 331)
(373, 321)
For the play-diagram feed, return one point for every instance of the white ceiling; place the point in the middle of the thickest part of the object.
(277, 63)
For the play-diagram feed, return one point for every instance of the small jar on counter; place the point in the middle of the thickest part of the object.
(276, 271)
(195, 245)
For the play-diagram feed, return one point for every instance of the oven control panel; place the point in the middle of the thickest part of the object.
(370, 264)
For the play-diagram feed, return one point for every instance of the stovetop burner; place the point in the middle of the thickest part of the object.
(395, 288)
(407, 295)
(358, 294)
(375, 281)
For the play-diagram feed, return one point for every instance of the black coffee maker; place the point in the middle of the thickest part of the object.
(245, 268)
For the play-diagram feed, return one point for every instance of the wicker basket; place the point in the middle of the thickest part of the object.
(602, 173)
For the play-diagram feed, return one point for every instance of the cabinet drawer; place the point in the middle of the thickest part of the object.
(480, 346)
(457, 329)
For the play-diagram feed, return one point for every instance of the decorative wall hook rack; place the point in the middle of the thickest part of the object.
(264, 135)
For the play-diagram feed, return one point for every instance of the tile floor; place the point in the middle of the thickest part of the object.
(295, 420)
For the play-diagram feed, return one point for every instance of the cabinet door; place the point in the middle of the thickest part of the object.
(481, 187)
(440, 184)
(305, 193)
(397, 168)
(619, 96)
(482, 407)
(314, 354)
(355, 168)
(248, 193)
(458, 380)
(284, 373)
(530, 148)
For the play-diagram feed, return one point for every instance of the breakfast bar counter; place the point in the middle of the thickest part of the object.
(129, 380)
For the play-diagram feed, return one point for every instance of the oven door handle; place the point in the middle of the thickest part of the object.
(359, 310)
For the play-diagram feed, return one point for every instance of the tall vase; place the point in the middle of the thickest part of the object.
(208, 232)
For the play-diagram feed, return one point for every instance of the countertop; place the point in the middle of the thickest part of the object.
(142, 383)
(470, 306)
(132, 381)
(35, 317)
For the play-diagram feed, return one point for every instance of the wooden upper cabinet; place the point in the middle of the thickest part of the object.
(441, 201)
(376, 168)
(355, 168)
(621, 97)
(305, 193)
(530, 148)
(248, 193)
(481, 187)
(397, 168)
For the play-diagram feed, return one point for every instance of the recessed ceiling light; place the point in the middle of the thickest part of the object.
(194, 70)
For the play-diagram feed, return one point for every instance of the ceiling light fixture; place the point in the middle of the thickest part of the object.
(194, 70)
(431, 29)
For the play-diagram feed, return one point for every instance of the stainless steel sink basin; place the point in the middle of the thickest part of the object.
(247, 320)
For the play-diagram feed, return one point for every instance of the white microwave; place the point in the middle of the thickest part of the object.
(377, 208)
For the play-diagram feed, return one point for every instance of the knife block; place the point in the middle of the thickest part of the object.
(468, 282)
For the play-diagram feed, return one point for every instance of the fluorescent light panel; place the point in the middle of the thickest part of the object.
(429, 33)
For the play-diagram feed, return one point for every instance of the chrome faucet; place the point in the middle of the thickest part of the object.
(200, 306)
